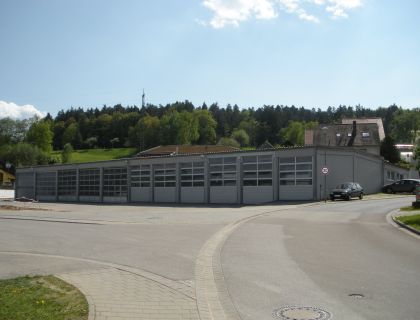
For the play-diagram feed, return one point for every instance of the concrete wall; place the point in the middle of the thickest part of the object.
(340, 167)
(255, 195)
(223, 194)
(67, 198)
(46, 198)
(296, 193)
(25, 182)
(368, 172)
(344, 165)
(347, 166)
(192, 194)
(89, 199)
(396, 171)
(141, 194)
(165, 194)
(115, 199)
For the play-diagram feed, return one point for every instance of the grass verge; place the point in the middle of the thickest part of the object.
(41, 298)
(411, 220)
(410, 209)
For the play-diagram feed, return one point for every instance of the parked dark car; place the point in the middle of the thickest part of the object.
(405, 185)
(347, 191)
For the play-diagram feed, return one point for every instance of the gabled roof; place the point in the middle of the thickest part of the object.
(184, 149)
(377, 121)
(341, 135)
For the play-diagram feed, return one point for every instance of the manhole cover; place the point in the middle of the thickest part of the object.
(301, 313)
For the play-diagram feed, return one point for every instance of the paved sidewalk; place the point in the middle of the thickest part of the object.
(119, 294)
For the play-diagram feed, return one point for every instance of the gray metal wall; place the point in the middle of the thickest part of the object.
(346, 166)
(224, 195)
(192, 195)
(220, 184)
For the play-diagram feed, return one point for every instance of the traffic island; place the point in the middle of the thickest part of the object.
(410, 221)
(41, 297)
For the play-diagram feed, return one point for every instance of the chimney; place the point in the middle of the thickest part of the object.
(309, 137)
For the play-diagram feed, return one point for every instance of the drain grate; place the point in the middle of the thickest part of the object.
(301, 313)
(356, 295)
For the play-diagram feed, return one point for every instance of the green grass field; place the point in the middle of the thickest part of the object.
(41, 298)
(90, 155)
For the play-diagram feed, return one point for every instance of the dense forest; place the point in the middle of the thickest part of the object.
(184, 123)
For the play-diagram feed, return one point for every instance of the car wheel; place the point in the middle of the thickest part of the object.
(388, 190)
(348, 198)
(361, 196)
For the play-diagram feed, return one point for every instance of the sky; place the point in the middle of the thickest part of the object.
(59, 54)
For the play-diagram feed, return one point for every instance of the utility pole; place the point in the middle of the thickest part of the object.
(143, 100)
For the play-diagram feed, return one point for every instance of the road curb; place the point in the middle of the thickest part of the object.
(213, 299)
(391, 218)
(169, 283)
(403, 225)
(91, 304)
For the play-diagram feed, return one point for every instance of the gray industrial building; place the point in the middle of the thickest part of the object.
(235, 177)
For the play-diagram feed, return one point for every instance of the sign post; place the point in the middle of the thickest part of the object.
(325, 171)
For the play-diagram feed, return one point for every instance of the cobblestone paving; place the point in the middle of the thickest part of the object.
(118, 294)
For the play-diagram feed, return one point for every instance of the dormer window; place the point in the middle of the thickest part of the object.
(365, 134)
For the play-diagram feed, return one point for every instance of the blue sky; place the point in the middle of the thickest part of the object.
(312, 53)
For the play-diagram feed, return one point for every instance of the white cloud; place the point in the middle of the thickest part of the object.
(338, 8)
(233, 12)
(12, 110)
(294, 6)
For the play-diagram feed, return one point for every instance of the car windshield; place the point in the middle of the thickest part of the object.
(343, 186)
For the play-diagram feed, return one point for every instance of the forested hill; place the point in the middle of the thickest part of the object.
(184, 123)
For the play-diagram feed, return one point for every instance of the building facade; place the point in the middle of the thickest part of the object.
(6, 178)
(241, 177)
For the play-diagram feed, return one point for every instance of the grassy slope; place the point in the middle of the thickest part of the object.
(89, 155)
(43, 298)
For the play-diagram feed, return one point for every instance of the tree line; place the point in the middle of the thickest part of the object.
(183, 123)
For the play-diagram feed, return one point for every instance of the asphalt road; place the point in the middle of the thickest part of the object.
(305, 256)
(341, 257)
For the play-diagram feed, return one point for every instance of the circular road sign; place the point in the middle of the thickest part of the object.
(325, 170)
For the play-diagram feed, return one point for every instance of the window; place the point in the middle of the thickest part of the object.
(67, 182)
(338, 135)
(115, 182)
(165, 175)
(140, 176)
(295, 171)
(89, 182)
(223, 171)
(192, 174)
(257, 170)
(45, 183)
(365, 134)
